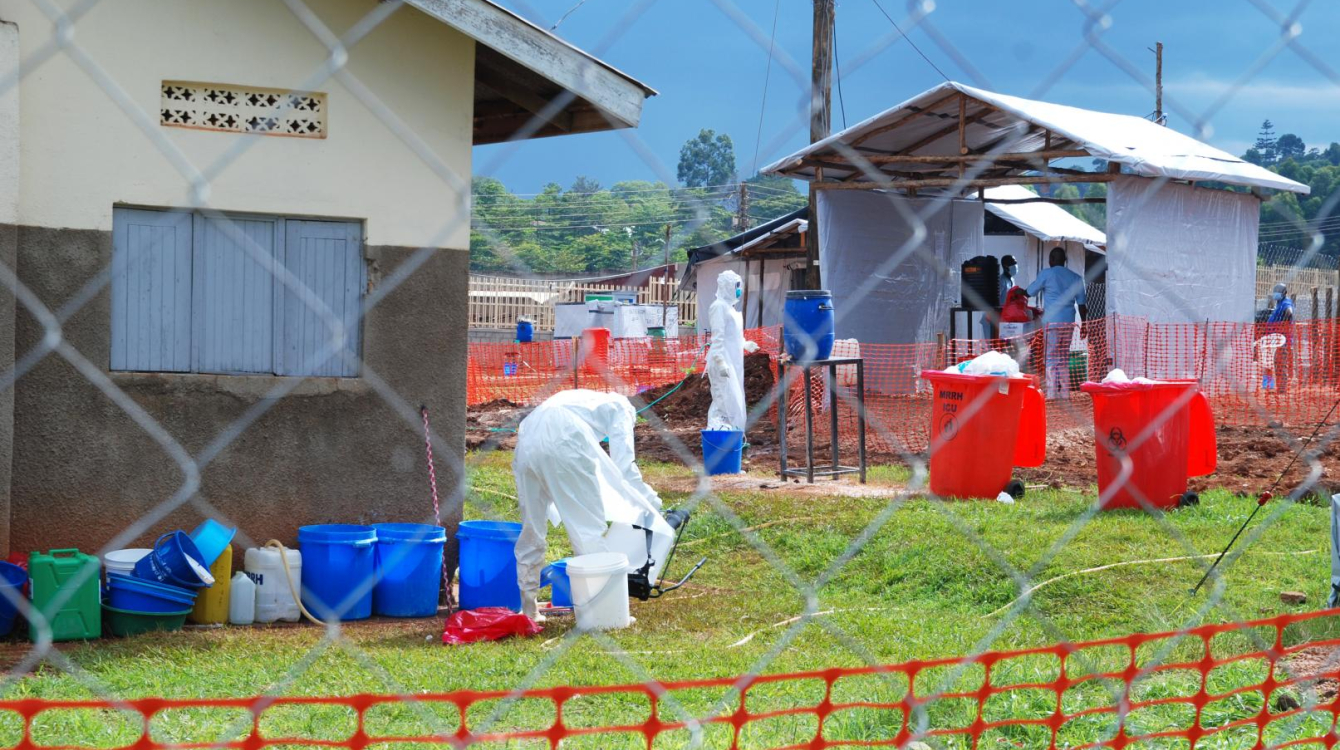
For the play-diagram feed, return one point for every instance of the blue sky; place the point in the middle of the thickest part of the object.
(708, 58)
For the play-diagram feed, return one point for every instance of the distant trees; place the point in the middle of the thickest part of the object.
(1291, 219)
(708, 159)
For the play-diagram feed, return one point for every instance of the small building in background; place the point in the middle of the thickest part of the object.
(770, 258)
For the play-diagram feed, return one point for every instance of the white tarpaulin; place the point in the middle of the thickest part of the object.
(1046, 221)
(996, 121)
(886, 289)
(1178, 254)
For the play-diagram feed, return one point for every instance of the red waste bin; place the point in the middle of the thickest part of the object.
(981, 427)
(595, 351)
(1165, 428)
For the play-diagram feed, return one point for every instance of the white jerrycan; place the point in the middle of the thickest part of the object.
(274, 598)
(242, 600)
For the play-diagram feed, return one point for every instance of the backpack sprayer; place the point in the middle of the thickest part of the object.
(1265, 497)
(645, 582)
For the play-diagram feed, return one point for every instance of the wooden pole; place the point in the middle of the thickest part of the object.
(954, 181)
(1047, 154)
(821, 101)
(666, 268)
(1158, 83)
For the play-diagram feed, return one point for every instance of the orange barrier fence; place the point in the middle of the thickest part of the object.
(1210, 686)
(1254, 374)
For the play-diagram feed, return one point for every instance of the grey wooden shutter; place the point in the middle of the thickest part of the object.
(327, 257)
(151, 290)
(235, 262)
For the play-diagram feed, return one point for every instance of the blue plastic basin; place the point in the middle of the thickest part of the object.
(212, 538)
(138, 595)
(409, 569)
(807, 324)
(488, 564)
(167, 563)
(12, 579)
(721, 451)
(338, 570)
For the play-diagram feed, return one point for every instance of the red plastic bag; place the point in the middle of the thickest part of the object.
(487, 624)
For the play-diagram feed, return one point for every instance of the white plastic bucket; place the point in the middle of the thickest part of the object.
(600, 590)
(123, 560)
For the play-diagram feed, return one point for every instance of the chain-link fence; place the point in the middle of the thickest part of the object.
(235, 255)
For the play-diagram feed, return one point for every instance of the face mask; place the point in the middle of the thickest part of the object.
(1278, 296)
(738, 292)
(1009, 270)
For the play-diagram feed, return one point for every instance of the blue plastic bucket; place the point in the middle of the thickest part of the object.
(525, 331)
(12, 579)
(338, 565)
(167, 563)
(556, 576)
(807, 326)
(721, 451)
(211, 538)
(138, 595)
(409, 569)
(488, 564)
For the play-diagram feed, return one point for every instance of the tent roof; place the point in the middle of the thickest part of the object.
(996, 124)
(1047, 221)
(793, 222)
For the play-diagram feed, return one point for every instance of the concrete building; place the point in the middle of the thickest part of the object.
(250, 253)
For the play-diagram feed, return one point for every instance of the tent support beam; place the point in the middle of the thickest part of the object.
(925, 111)
(934, 182)
(1040, 199)
(831, 160)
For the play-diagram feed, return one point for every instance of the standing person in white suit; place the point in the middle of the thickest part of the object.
(725, 356)
(564, 476)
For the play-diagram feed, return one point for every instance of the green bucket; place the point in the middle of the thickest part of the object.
(656, 332)
(1079, 369)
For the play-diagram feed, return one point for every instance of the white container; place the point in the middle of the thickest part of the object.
(632, 542)
(123, 560)
(242, 600)
(274, 598)
(600, 590)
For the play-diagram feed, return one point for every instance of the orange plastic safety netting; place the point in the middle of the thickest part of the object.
(1264, 684)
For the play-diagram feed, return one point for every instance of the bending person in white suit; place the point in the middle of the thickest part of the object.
(564, 476)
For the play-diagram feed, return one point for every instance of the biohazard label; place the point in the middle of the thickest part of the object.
(948, 419)
(1116, 440)
(948, 427)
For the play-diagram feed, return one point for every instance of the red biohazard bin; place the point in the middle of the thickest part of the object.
(982, 427)
(595, 351)
(1166, 428)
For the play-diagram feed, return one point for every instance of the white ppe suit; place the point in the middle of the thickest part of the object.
(725, 356)
(563, 475)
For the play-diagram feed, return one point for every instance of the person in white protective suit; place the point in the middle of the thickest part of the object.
(563, 475)
(725, 356)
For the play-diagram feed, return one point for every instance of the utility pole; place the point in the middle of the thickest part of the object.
(821, 110)
(665, 270)
(742, 210)
(1158, 84)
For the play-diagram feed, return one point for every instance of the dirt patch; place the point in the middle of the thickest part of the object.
(1319, 668)
(493, 424)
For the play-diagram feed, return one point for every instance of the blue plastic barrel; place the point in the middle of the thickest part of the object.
(721, 451)
(807, 327)
(525, 331)
(555, 575)
(409, 569)
(338, 565)
(12, 579)
(488, 564)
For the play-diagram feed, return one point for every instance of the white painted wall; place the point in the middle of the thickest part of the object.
(776, 283)
(81, 154)
(9, 127)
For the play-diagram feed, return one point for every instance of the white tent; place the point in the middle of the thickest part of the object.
(1178, 250)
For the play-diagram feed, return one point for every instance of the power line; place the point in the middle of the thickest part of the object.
(564, 17)
(621, 191)
(767, 74)
(837, 61)
(909, 40)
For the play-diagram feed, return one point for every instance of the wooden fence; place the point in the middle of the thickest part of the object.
(497, 301)
(1314, 290)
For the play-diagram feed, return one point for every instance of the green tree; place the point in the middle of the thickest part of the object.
(708, 159)
(1265, 143)
(771, 196)
(1289, 146)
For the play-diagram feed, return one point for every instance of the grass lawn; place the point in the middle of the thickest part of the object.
(924, 584)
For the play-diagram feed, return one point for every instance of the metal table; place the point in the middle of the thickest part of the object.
(809, 471)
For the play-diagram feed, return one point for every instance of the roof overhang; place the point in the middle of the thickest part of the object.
(1046, 221)
(957, 136)
(529, 83)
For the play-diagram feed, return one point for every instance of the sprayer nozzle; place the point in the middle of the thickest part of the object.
(1265, 498)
